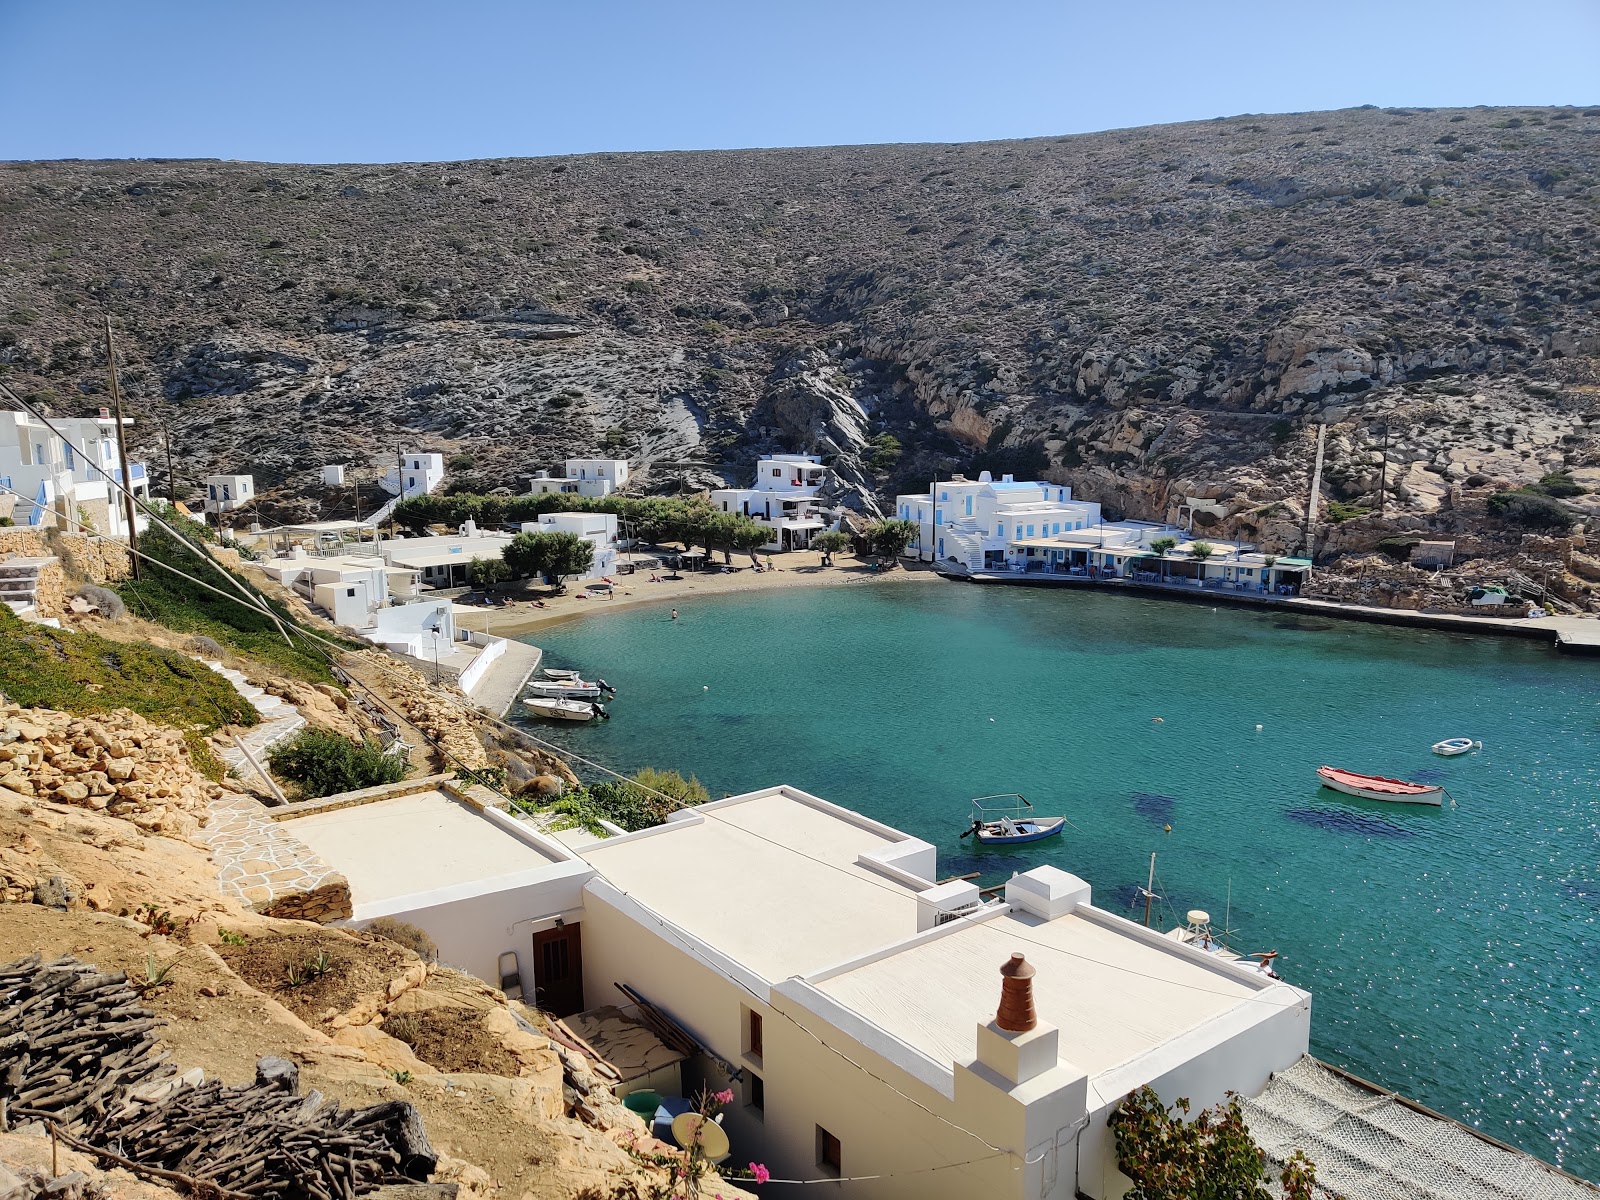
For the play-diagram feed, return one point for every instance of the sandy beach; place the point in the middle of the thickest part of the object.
(797, 568)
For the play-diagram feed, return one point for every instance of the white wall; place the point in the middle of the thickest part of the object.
(478, 667)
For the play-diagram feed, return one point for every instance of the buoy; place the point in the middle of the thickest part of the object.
(1258, 729)
(705, 687)
(1169, 829)
(991, 720)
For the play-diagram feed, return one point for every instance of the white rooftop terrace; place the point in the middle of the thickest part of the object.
(816, 884)
(422, 842)
(1114, 994)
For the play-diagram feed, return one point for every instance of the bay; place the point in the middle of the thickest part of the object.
(1453, 954)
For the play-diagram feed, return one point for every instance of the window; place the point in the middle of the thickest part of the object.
(969, 506)
(830, 1155)
(944, 495)
(349, 591)
(755, 1092)
(755, 1034)
(212, 489)
(1030, 530)
(68, 448)
(38, 454)
(777, 472)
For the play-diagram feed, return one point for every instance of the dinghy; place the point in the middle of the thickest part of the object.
(1453, 746)
(565, 689)
(1379, 787)
(556, 673)
(997, 823)
(566, 710)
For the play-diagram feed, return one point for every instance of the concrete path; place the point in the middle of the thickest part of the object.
(258, 860)
(502, 683)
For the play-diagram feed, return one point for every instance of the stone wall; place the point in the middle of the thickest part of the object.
(328, 902)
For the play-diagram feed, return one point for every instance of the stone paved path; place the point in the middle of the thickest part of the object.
(258, 860)
(280, 720)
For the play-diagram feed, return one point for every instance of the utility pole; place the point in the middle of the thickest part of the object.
(1383, 474)
(172, 480)
(122, 453)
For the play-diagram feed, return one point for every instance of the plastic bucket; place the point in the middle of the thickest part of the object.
(644, 1103)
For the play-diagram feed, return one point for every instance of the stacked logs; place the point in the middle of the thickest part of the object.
(72, 1041)
(264, 1140)
(79, 1053)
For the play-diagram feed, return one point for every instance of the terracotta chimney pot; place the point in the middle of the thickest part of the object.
(1016, 1013)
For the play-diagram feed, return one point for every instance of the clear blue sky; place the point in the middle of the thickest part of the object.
(349, 81)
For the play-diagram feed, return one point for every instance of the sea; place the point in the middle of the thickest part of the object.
(1453, 953)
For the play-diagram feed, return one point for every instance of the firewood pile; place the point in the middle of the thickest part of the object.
(72, 1040)
(78, 1052)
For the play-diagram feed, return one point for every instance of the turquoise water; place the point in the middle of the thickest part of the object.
(1454, 954)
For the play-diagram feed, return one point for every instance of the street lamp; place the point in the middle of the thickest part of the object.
(435, 656)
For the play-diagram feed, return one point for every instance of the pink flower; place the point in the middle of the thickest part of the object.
(759, 1173)
(724, 1097)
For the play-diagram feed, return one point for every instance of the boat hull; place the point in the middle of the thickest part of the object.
(1389, 791)
(1451, 747)
(564, 691)
(561, 710)
(1028, 831)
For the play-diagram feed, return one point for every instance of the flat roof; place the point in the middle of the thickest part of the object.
(419, 842)
(1113, 996)
(436, 559)
(769, 879)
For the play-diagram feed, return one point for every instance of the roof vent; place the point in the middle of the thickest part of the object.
(1016, 1013)
(985, 477)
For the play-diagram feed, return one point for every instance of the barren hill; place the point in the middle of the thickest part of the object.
(1150, 314)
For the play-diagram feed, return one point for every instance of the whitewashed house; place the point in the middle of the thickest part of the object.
(415, 475)
(598, 529)
(443, 561)
(591, 478)
(977, 522)
(784, 499)
(67, 480)
(349, 588)
(225, 493)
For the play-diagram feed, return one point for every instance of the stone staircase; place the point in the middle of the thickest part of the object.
(19, 583)
(280, 721)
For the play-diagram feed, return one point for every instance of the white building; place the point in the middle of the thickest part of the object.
(849, 1000)
(784, 499)
(63, 480)
(591, 478)
(975, 523)
(443, 561)
(598, 529)
(349, 588)
(415, 475)
(225, 493)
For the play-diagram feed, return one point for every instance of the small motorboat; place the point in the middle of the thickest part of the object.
(1453, 746)
(1380, 787)
(1196, 931)
(566, 710)
(564, 689)
(998, 823)
(557, 673)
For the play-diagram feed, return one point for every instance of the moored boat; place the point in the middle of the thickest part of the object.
(998, 823)
(1380, 787)
(565, 710)
(565, 689)
(560, 673)
(1453, 746)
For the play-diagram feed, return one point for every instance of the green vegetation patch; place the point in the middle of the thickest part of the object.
(1531, 509)
(321, 763)
(646, 800)
(186, 607)
(84, 674)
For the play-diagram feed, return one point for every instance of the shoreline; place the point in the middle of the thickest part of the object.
(793, 569)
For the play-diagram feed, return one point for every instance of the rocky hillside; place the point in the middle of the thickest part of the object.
(1150, 314)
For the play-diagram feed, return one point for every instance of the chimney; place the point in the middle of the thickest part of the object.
(1016, 1013)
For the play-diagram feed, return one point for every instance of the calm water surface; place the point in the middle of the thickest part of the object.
(1453, 954)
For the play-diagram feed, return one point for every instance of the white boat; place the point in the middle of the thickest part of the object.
(565, 689)
(565, 710)
(1196, 932)
(1010, 824)
(1380, 787)
(1453, 746)
(556, 673)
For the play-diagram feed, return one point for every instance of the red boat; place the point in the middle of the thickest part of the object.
(1380, 787)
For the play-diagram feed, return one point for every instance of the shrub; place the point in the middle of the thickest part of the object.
(108, 602)
(1398, 548)
(1202, 550)
(407, 935)
(1531, 509)
(325, 764)
(1558, 484)
(205, 647)
(1339, 511)
(1164, 545)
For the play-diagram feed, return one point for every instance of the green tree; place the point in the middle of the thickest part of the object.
(1163, 546)
(324, 764)
(1212, 1157)
(883, 452)
(552, 556)
(1531, 509)
(830, 543)
(486, 572)
(729, 532)
(1202, 551)
(889, 539)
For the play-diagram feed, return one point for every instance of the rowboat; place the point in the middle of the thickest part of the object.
(566, 710)
(565, 689)
(557, 673)
(1010, 824)
(1379, 787)
(1453, 746)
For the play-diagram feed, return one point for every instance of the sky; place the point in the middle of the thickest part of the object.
(429, 80)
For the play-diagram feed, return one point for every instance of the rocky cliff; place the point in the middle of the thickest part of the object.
(1155, 315)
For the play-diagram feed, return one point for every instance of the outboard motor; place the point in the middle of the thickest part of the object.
(601, 712)
(604, 686)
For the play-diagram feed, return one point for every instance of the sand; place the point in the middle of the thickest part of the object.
(797, 568)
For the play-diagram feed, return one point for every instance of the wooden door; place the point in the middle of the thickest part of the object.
(558, 970)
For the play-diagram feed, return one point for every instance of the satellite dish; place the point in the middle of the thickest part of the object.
(689, 1127)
